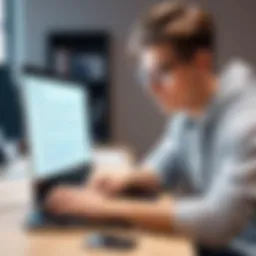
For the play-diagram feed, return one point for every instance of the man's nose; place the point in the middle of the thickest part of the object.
(156, 87)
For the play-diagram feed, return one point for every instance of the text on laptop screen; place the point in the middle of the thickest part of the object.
(57, 123)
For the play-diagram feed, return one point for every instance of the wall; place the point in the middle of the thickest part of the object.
(135, 120)
(129, 107)
(235, 21)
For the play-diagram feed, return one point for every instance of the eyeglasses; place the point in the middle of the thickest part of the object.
(157, 77)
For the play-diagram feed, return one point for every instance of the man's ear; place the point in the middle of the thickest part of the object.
(203, 60)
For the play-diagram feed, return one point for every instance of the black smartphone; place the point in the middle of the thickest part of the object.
(105, 241)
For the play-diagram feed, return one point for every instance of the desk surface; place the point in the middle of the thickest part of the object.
(15, 201)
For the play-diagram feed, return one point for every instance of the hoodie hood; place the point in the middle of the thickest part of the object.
(237, 76)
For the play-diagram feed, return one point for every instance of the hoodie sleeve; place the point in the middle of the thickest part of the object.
(228, 206)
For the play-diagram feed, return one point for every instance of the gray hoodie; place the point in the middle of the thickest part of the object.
(214, 160)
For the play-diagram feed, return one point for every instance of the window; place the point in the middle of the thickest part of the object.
(9, 28)
(2, 32)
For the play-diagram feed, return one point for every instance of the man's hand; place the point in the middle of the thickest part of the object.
(76, 201)
(110, 183)
(80, 202)
(113, 183)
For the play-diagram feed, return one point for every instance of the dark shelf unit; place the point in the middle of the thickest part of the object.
(85, 43)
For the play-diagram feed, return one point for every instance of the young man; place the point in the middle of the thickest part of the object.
(209, 147)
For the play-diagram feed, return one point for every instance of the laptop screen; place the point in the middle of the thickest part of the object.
(57, 125)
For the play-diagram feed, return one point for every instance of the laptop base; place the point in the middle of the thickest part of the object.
(37, 220)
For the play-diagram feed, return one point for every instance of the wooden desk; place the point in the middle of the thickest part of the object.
(15, 201)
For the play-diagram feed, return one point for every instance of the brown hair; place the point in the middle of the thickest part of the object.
(186, 28)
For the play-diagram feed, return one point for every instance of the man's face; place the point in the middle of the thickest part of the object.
(172, 84)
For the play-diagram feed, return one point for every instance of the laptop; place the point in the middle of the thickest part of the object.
(60, 142)
(58, 132)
